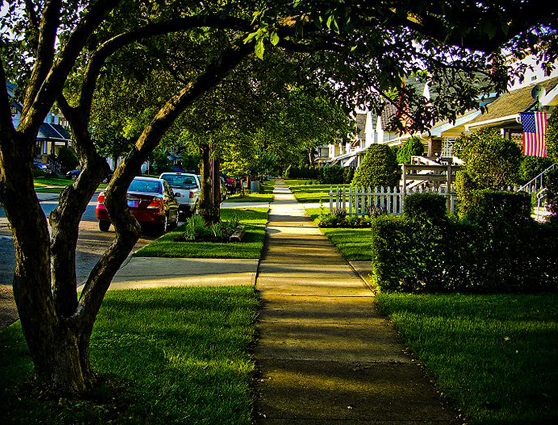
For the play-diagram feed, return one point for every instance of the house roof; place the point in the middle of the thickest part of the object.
(388, 115)
(53, 131)
(513, 102)
(360, 125)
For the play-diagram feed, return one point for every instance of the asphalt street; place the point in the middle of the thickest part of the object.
(91, 244)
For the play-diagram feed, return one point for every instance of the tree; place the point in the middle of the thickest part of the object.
(363, 49)
(411, 147)
(379, 168)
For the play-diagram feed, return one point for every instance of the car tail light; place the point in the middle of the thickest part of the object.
(156, 203)
(101, 199)
(191, 195)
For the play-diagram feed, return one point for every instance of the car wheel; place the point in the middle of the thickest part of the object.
(104, 225)
(165, 226)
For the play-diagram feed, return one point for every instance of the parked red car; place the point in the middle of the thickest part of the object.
(150, 200)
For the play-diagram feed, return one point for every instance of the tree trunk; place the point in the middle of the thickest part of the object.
(209, 207)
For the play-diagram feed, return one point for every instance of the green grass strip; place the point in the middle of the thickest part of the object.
(250, 197)
(354, 244)
(312, 192)
(254, 219)
(181, 355)
(495, 355)
(41, 182)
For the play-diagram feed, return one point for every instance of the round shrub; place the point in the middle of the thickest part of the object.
(412, 147)
(490, 160)
(67, 158)
(379, 168)
(425, 207)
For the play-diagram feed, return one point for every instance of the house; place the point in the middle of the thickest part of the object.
(504, 113)
(53, 133)
(369, 128)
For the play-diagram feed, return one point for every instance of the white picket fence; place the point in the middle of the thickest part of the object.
(362, 201)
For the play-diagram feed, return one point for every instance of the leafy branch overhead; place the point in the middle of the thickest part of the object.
(166, 64)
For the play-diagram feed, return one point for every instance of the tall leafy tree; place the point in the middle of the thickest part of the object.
(363, 48)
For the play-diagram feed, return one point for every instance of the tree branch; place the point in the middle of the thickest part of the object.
(45, 50)
(6, 123)
(124, 39)
(127, 228)
(51, 86)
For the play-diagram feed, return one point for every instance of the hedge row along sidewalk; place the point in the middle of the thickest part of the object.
(325, 355)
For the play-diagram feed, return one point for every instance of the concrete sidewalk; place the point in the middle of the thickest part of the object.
(151, 272)
(325, 355)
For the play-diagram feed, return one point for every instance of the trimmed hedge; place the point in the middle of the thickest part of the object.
(425, 207)
(495, 249)
(332, 174)
(293, 172)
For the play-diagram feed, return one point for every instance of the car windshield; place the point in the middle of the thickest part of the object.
(180, 181)
(149, 186)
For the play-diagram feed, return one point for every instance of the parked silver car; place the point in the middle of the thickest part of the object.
(186, 188)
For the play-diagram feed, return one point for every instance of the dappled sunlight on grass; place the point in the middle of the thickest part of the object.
(251, 246)
(182, 354)
(494, 354)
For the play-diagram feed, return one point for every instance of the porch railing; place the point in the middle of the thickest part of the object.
(537, 183)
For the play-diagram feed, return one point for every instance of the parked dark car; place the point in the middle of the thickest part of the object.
(150, 200)
(73, 175)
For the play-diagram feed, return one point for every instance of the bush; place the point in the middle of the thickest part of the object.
(429, 207)
(379, 168)
(304, 172)
(67, 158)
(497, 248)
(332, 174)
(498, 208)
(552, 192)
(552, 137)
(464, 185)
(531, 167)
(405, 255)
(412, 147)
(348, 174)
(490, 160)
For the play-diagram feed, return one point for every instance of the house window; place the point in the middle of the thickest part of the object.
(447, 148)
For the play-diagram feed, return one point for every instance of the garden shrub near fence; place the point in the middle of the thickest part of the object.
(505, 253)
(332, 174)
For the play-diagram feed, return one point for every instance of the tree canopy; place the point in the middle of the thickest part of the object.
(79, 53)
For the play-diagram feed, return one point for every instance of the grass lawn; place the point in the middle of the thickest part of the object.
(177, 355)
(54, 184)
(254, 219)
(354, 244)
(495, 355)
(311, 192)
(250, 197)
(268, 185)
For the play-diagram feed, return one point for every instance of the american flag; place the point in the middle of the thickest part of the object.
(534, 130)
